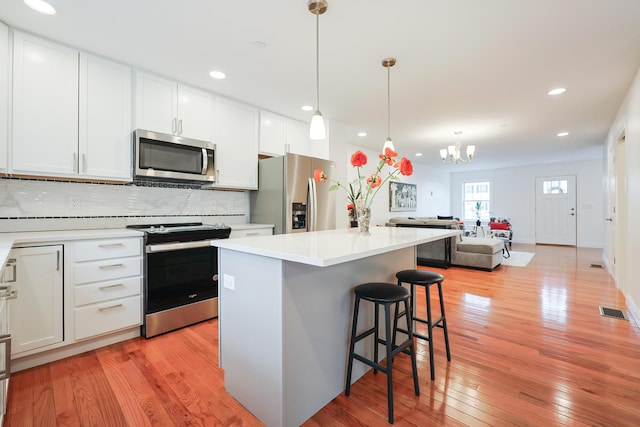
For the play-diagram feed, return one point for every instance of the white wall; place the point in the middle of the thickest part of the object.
(433, 188)
(627, 243)
(513, 196)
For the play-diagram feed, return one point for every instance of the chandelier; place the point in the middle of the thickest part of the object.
(451, 154)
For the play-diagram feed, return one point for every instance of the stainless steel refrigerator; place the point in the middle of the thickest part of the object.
(289, 198)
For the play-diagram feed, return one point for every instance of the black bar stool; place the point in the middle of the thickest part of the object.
(385, 294)
(424, 278)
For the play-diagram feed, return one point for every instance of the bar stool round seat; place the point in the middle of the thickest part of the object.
(385, 294)
(419, 277)
(424, 278)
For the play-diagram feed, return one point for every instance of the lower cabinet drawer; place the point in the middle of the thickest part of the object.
(105, 291)
(97, 319)
(251, 232)
(97, 271)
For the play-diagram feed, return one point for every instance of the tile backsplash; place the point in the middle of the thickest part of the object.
(33, 205)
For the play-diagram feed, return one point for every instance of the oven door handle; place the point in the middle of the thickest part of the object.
(167, 247)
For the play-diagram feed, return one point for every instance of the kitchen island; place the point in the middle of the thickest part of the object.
(285, 311)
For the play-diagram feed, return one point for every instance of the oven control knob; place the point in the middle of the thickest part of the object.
(215, 278)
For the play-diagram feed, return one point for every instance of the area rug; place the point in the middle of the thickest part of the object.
(518, 259)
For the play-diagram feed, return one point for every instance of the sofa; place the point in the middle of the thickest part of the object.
(460, 251)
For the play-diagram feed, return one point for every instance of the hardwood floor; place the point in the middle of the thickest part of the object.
(529, 348)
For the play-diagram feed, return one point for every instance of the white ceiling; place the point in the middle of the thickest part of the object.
(480, 67)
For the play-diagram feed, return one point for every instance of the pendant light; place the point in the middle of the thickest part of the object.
(388, 63)
(317, 130)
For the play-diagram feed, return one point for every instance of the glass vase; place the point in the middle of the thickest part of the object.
(364, 218)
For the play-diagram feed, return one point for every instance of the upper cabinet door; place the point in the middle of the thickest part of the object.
(236, 144)
(4, 95)
(273, 139)
(156, 103)
(45, 107)
(195, 113)
(165, 106)
(298, 137)
(105, 139)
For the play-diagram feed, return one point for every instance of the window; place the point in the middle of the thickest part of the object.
(554, 187)
(477, 200)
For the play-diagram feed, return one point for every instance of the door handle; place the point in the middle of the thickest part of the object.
(609, 219)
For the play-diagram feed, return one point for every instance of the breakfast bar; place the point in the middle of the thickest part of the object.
(285, 310)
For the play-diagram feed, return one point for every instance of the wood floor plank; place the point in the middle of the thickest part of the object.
(529, 348)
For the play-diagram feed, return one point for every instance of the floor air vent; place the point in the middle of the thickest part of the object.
(612, 312)
(596, 266)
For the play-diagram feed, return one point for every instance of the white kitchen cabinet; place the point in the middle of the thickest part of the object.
(107, 286)
(36, 314)
(280, 135)
(105, 127)
(71, 113)
(273, 139)
(299, 143)
(250, 232)
(4, 97)
(163, 105)
(5, 371)
(236, 138)
(45, 107)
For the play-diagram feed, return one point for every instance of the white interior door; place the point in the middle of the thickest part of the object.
(611, 211)
(556, 210)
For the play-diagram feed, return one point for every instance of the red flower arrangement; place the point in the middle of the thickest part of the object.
(363, 188)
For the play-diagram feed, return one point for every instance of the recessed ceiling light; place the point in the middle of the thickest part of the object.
(259, 45)
(40, 6)
(307, 108)
(362, 134)
(418, 154)
(556, 91)
(218, 75)
(563, 133)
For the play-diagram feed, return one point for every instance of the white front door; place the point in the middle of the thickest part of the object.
(556, 210)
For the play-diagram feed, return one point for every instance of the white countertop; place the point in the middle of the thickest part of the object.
(330, 247)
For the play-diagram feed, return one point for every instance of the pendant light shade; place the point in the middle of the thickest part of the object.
(317, 130)
(388, 63)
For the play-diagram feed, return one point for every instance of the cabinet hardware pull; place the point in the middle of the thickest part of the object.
(109, 245)
(6, 372)
(84, 163)
(174, 126)
(115, 285)
(180, 127)
(75, 162)
(253, 234)
(112, 266)
(110, 307)
(11, 262)
(57, 260)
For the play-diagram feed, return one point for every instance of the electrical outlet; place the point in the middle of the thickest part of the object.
(229, 282)
(74, 202)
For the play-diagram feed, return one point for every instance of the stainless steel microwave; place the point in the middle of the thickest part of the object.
(159, 155)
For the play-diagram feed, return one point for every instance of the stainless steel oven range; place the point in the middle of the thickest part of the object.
(180, 275)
